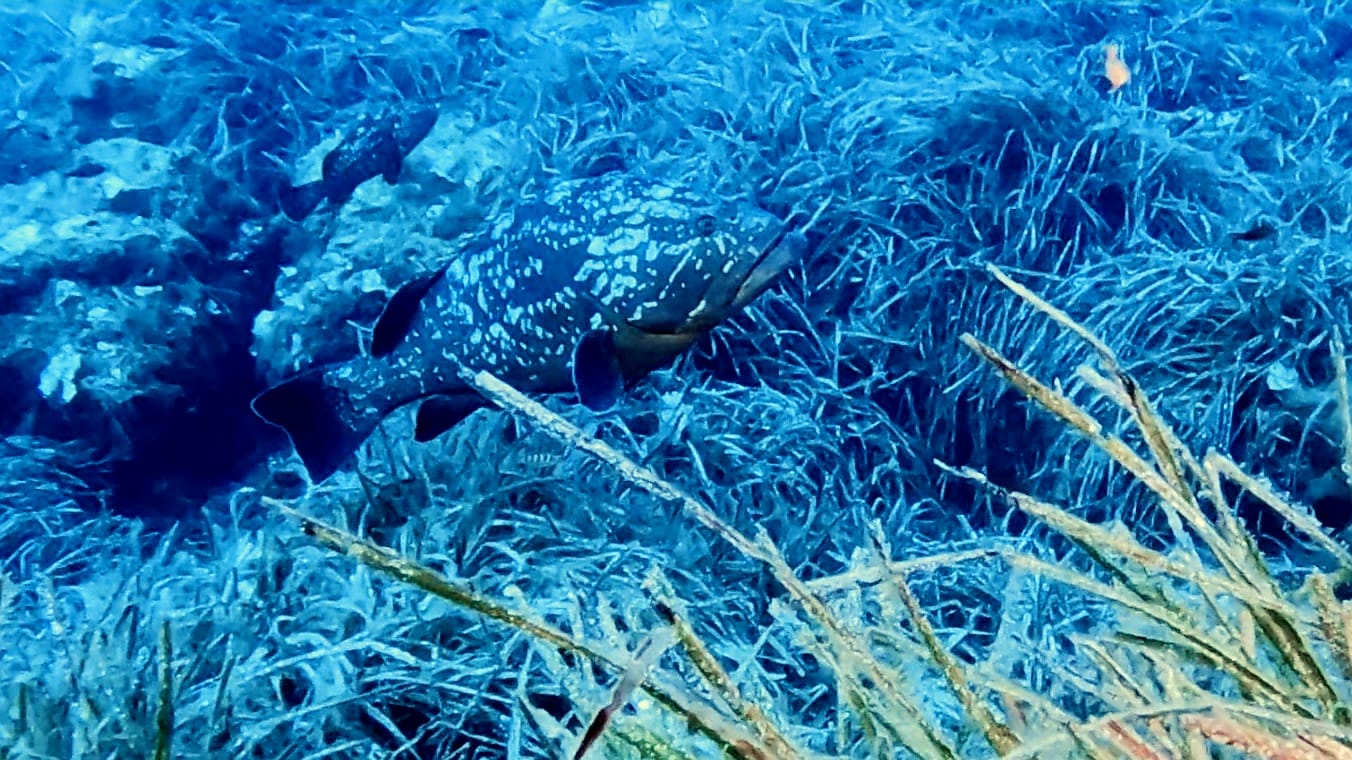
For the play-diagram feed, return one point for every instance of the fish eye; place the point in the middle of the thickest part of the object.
(704, 225)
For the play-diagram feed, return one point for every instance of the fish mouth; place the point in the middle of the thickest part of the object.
(784, 250)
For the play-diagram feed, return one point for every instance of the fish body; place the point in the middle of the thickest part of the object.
(585, 290)
(1261, 230)
(376, 147)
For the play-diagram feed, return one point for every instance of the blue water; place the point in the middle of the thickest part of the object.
(1186, 197)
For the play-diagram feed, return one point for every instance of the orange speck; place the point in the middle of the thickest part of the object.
(1114, 69)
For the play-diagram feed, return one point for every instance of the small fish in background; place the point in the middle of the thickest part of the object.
(376, 147)
(586, 290)
(1114, 69)
(1260, 230)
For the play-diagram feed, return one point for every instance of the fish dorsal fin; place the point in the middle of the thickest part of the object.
(397, 318)
(437, 414)
(597, 376)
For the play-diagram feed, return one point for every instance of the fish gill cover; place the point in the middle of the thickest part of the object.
(815, 532)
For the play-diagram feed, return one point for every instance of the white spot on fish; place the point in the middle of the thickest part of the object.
(622, 285)
(628, 238)
(588, 267)
(676, 272)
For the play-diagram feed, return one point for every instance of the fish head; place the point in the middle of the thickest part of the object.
(412, 126)
(742, 250)
(679, 264)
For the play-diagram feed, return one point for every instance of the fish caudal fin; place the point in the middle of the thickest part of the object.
(298, 201)
(310, 411)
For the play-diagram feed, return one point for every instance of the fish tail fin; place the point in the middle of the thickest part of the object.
(312, 412)
(298, 201)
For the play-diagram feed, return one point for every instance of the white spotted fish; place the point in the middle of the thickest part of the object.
(586, 290)
(376, 147)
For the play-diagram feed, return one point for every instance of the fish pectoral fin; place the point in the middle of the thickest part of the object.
(597, 376)
(437, 414)
(396, 320)
(299, 201)
(392, 169)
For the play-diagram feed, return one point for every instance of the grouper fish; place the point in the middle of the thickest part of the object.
(374, 147)
(585, 290)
